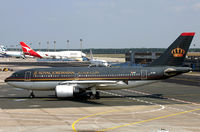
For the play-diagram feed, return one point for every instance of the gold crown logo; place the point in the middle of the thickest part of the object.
(178, 52)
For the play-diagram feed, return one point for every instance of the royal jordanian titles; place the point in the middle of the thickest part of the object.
(75, 81)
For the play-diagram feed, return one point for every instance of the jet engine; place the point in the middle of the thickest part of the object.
(64, 91)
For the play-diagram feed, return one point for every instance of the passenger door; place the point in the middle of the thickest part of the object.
(27, 75)
(76, 76)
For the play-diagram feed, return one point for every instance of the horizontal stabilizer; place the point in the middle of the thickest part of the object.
(28, 51)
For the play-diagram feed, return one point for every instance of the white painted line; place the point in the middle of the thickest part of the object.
(139, 100)
(19, 100)
(34, 106)
(177, 100)
(184, 110)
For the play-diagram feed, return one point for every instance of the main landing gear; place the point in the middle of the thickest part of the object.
(31, 95)
(93, 94)
(90, 95)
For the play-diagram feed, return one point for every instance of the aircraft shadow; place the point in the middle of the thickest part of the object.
(50, 101)
(53, 98)
(154, 96)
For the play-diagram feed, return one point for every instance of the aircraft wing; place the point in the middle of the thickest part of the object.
(89, 82)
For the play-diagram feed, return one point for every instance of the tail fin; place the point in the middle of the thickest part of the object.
(28, 51)
(2, 48)
(176, 52)
(91, 55)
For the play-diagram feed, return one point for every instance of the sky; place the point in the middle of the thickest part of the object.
(99, 23)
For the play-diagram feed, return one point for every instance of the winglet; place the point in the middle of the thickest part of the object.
(28, 51)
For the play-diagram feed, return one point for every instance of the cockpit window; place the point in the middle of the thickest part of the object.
(14, 75)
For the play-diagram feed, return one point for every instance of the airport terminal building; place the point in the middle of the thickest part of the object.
(192, 59)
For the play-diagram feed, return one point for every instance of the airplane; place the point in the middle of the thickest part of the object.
(75, 81)
(97, 62)
(76, 55)
(17, 54)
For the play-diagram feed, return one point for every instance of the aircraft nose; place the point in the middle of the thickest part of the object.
(7, 79)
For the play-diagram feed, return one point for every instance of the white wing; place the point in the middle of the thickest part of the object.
(89, 82)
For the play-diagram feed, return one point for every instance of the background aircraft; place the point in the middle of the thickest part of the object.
(17, 54)
(76, 55)
(97, 62)
(74, 81)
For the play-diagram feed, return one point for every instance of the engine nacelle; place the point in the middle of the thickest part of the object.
(63, 91)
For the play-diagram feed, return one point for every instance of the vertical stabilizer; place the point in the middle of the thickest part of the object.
(2, 48)
(176, 52)
(91, 55)
(28, 51)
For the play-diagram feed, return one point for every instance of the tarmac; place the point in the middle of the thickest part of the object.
(172, 105)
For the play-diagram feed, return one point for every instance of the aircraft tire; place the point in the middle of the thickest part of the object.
(97, 96)
(32, 95)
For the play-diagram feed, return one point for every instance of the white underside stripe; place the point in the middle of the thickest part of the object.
(51, 85)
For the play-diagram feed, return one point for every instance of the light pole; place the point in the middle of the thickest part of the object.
(54, 45)
(48, 45)
(39, 45)
(16, 47)
(13, 47)
(81, 44)
(68, 44)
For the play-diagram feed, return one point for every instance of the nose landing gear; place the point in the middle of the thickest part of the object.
(31, 95)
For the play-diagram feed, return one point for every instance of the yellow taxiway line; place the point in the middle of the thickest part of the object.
(148, 120)
(73, 125)
(161, 117)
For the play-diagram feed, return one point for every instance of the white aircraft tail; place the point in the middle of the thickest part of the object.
(91, 55)
(2, 49)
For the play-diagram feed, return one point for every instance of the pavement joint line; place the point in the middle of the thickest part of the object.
(45, 114)
(183, 110)
(75, 122)
(26, 119)
(184, 79)
(51, 115)
(33, 118)
(148, 120)
(97, 122)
